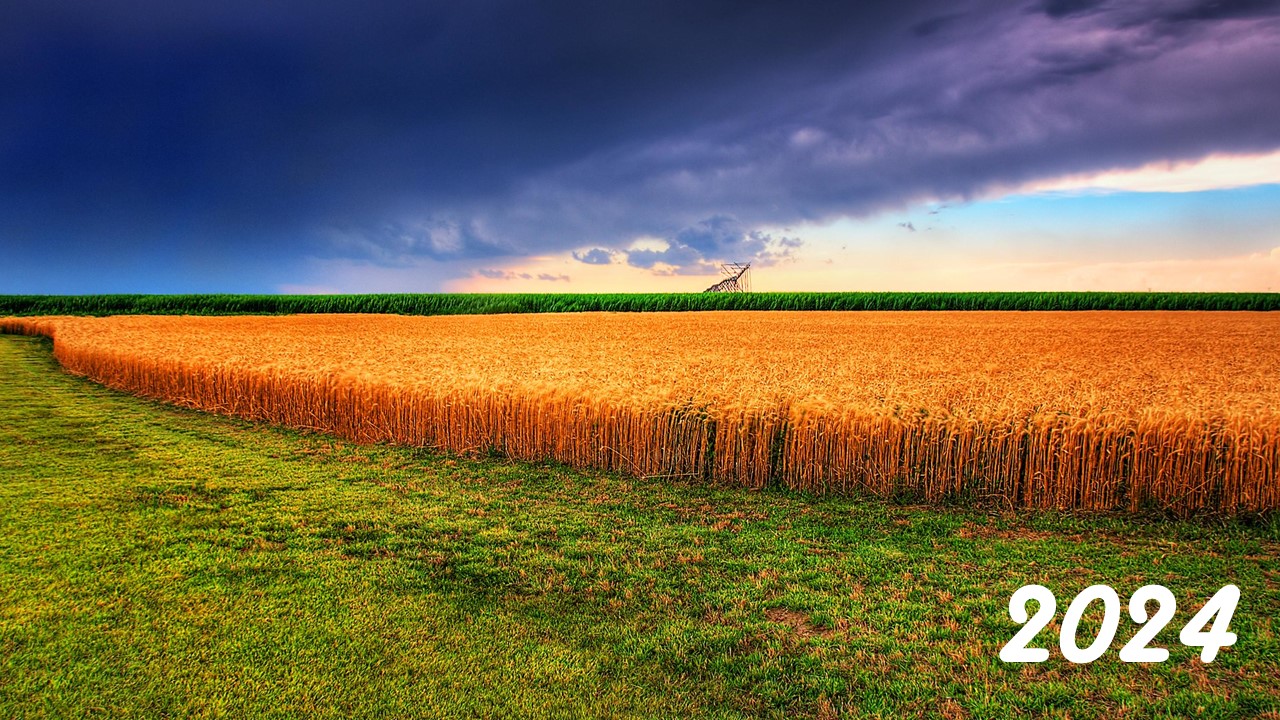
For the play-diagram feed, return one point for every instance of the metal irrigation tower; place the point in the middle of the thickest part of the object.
(736, 278)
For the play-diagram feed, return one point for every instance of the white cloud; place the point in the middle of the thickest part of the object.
(1216, 172)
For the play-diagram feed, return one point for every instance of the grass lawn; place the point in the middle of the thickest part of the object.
(157, 562)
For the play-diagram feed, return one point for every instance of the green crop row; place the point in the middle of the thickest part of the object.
(481, 304)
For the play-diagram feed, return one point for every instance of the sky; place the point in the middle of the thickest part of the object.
(502, 146)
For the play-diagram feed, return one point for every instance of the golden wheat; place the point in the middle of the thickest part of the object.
(1045, 409)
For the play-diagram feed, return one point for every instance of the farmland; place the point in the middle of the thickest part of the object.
(1163, 411)
(159, 562)
(492, 303)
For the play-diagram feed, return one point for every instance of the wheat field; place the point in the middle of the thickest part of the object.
(1174, 411)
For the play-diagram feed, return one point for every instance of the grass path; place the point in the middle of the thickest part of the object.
(157, 562)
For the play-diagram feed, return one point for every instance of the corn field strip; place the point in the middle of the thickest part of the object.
(491, 303)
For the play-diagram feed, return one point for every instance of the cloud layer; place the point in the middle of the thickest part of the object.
(230, 139)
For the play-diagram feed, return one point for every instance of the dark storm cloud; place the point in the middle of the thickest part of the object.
(694, 249)
(924, 28)
(698, 250)
(594, 256)
(1222, 9)
(496, 274)
(230, 139)
(393, 242)
(1065, 8)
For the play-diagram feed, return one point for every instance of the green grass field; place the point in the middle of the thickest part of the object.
(164, 563)
(485, 304)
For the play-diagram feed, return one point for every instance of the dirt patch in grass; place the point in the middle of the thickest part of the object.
(973, 531)
(798, 622)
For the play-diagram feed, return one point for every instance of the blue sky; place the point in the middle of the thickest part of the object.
(177, 146)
